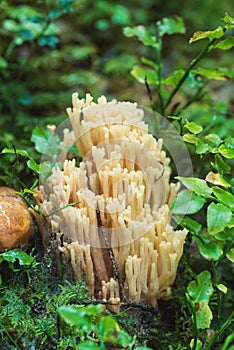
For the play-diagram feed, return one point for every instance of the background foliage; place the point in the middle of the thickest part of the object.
(49, 49)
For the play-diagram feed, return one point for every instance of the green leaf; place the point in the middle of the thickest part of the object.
(30, 163)
(192, 225)
(215, 74)
(88, 344)
(218, 217)
(222, 288)
(149, 62)
(124, 339)
(45, 141)
(209, 250)
(187, 203)
(23, 12)
(21, 152)
(229, 142)
(203, 315)
(201, 289)
(171, 25)
(191, 138)
(211, 34)
(92, 310)
(48, 40)
(231, 224)
(193, 127)
(109, 331)
(214, 138)
(33, 165)
(45, 170)
(230, 255)
(224, 196)
(196, 185)
(201, 147)
(53, 14)
(226, 235)
(226, 151)
(17, 254)
(10, 25)
(80, 317)
(228, 19)
(227, 345)
(217, 179)
(3, 63)
(25, 34)
(225, 44)
(121, 15)
(142, 34)
(106, 327)
(220, 165)
(144, 73)
(51, 29)
(198, 345)
(174, 78)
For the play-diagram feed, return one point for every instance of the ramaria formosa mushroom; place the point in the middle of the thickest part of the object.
(118, 235)
(16, 224)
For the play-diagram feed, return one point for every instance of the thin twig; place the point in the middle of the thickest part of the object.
(162, 173)
(148, 90)
(186, 73)
(199, 94)
(59, 209)
(218, 333)
(194, 317)
(144, 307)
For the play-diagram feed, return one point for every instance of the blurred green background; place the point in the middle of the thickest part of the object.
(50, 49)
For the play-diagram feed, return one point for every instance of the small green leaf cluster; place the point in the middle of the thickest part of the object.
(24, 260)
(27, 24)
(198, 294)
(48, 146)
(215, 240)
(151, 72)
(205, 205)
(91, 318)
(214, 194)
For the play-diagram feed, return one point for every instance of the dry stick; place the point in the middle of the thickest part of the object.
(101, 230)
(144, 307)
(162, 173)
(148, 90)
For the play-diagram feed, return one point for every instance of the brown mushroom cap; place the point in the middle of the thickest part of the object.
(15, 220)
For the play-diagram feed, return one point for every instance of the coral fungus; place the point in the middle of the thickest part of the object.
(119, 234)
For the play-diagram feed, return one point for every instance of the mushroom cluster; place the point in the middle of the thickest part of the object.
(118, 234)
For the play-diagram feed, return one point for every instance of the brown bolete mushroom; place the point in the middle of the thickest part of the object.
(118, 235)
(16, 224)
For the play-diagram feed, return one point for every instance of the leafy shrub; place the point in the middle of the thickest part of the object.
(211, 197)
